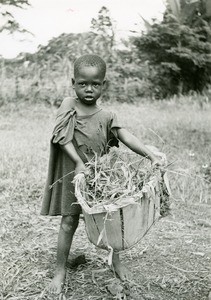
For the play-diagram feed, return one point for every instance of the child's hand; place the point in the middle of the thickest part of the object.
(156, 162)
(80, 168)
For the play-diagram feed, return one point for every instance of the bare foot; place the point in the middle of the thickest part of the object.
(120, 269)
(57, 282)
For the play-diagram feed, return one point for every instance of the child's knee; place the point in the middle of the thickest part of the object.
(69, 223)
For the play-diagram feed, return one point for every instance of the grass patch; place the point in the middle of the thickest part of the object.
(171, 262)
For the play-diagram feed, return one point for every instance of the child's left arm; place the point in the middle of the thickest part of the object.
(135, 145)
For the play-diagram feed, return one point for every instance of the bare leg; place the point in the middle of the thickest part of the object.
(119, 268)
(67, 229)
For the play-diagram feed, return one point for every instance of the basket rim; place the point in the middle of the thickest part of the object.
(80, 181)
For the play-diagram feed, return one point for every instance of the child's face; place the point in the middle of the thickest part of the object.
(88, 84)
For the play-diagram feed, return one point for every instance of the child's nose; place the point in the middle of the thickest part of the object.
(89, 88)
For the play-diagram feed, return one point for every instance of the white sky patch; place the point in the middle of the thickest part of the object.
(50, 18)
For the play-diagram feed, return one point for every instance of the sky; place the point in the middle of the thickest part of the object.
(50, 18)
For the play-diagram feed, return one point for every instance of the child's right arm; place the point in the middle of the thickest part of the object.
(69, 149)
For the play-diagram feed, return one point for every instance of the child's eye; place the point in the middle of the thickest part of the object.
(82, 84)
(96, 84)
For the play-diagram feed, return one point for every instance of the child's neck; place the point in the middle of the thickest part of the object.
(83, 109)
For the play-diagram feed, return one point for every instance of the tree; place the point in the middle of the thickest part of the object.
(178, 49)
(103, 27)
(9, 23)
(69, 46)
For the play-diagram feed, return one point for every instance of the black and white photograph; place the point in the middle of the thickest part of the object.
(105, 150)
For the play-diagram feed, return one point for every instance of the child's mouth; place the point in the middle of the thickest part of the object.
(89, 98)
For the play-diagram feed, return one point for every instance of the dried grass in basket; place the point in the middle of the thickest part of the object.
(120, 199)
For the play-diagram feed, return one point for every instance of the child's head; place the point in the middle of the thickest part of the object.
(89, 78)
(90, 60)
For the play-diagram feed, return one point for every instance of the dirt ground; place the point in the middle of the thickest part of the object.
(172, 262)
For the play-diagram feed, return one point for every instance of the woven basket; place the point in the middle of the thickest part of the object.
(121, 225)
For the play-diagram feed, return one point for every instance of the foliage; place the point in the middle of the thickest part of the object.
(45, 75)
(68, 46)
(171, 58)
(178, 50)
(103, 27)
(10, 24)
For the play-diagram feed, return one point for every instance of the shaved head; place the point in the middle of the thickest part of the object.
(90, 60)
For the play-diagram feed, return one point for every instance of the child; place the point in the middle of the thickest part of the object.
(82, 129)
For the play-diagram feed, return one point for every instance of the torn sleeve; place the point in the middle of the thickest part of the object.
(65, 122)
(64, 128)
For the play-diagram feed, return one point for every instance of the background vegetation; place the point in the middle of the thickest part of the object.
(171, 57)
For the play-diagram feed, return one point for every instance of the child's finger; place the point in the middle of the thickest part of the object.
(156, 163)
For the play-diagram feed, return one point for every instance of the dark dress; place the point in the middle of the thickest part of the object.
(90, 134)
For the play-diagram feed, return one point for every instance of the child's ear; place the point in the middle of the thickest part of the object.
(104, 82)
(73, 82)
